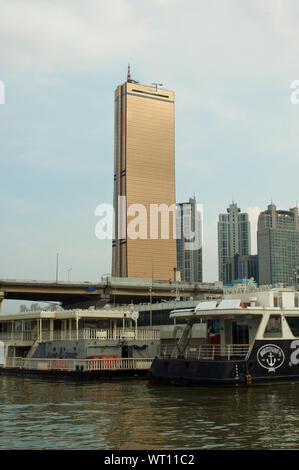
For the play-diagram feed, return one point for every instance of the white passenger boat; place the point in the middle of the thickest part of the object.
(77, 344)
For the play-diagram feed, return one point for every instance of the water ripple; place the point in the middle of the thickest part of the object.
(56, 414)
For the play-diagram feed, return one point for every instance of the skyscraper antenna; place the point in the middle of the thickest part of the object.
(129, 73)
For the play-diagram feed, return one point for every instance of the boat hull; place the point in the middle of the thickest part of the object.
(268, 362)
(196, 372)
(76, 374)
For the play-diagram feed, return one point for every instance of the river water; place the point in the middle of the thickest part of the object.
(38, 413)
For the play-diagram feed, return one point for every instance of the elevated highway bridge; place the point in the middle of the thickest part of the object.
(116, 291)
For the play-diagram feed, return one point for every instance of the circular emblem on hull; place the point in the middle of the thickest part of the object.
(270, 356)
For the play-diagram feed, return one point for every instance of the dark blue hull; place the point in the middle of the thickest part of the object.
(269, 362)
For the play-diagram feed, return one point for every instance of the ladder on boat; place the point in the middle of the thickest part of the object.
(32, 349)
(184, 340)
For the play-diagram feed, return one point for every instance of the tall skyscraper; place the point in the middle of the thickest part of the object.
(144, 182)
(233, 236)
(278, 246)
(189, 241)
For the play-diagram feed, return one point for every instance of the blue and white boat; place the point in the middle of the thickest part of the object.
(252, 337)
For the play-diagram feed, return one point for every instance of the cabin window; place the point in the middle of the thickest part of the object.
(293, 323)
(46, 324)
(18, 326)
(3, 327)
(104, 324)
(57, 325)
(277, 300)
(214, 327)
(240, 333)
(273, 328)
(27, 326)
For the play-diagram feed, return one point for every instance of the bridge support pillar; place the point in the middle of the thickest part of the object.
(2, 295)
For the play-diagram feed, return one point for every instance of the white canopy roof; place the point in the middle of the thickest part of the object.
(213, 308)
(229, 303)
(202, 306)
(209, 305)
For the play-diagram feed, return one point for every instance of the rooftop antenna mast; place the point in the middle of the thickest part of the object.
(156, 85)
(129, 78)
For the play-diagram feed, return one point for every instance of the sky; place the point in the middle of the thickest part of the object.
(231, 64)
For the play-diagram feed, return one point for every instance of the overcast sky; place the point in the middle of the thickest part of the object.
(231, 64)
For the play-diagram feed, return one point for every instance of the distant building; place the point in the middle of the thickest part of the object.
(51, 307)
(278, 246)
(233, 237)
(189, 241)
(24, 308)
(241, 267)
(35, 307)
(241, 283)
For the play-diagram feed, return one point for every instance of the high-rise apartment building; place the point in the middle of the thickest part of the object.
(189, 241)
(240, 268)
(144, 182)
(233, 236)
(278, 246)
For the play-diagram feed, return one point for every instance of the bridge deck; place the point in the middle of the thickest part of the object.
(114, 290)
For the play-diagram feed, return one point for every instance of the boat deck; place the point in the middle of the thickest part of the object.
(109, 363)
(209, 351)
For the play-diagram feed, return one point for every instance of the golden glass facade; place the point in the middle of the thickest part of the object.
(144, 172)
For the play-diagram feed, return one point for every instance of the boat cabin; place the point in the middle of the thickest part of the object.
(76, 334)
(236, 322)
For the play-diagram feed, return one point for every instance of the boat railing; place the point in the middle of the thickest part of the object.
(84, 333)
(102, 334)
(26, 336)
(107, 363)
(120, 333)
(212, 351)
